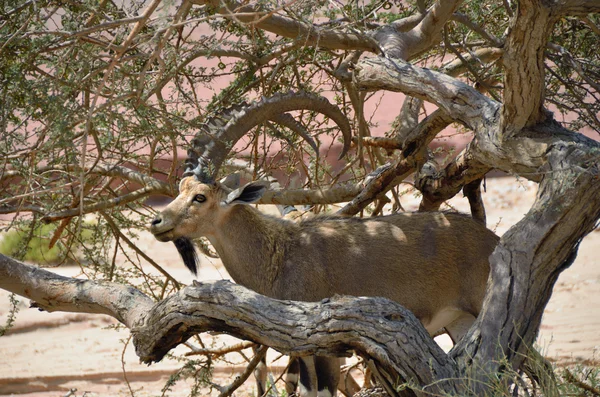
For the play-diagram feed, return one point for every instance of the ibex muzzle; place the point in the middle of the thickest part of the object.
(434, 264)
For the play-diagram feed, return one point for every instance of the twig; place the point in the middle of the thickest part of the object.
(100, 206)
(120, 234)
(240, 379)
(220, 351)
(572, 379)
(123, 365)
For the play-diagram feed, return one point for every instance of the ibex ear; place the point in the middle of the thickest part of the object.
(247, 194)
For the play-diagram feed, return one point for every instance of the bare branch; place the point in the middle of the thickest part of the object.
(389, 144)
(223, 350)
(460, 101)
(532, 254)
(429, 30)
(591, 25)
(294, 29)
(579, 7)
(335, 194)
(377, 182)
(473, 192)
(484, 55)
(464, 19)
(389, 335)
(413, 157)
(524, 86)
(438, 187)
(228, 390)
(52, 292)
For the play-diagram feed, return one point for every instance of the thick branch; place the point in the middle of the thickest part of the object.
(524, 86)
(579, 7)
(52, 292)
(332, 195)
(439, 186)
(376, 328)
(459, 100)
(294, 29)
(429, 30)
(533, 253)
(331, 327)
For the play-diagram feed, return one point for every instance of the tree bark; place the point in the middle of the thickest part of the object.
(381, 331)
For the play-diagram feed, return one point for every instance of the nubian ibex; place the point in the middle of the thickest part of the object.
(433, 263)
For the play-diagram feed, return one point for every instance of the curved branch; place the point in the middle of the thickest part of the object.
(462, 102)
(429, 30)
(52, 292)
(532, 254)
(439, 186)
(377, 329)
(579, 7)
(330, 327)
(309, 34)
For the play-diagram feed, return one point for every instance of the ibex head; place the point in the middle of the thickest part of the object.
(198, 211)
(201, 201)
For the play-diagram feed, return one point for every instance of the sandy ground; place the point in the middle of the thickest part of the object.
(49, 354)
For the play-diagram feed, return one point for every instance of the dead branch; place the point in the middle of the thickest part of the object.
(228, 390)
(377, 182)
(52, 292)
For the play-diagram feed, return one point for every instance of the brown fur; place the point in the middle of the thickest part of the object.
(433, 263)
(429, 262)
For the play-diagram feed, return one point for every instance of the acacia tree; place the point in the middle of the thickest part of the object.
(96, 95)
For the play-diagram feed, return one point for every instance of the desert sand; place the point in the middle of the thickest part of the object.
(48, 354)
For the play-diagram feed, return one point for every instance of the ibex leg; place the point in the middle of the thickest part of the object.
(328, 375)
(459, 327)
(260, 373)
(292, 376)
(308, 377)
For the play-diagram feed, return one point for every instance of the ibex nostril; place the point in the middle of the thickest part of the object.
(156, 221)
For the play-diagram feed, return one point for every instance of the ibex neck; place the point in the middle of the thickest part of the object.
(245, 243)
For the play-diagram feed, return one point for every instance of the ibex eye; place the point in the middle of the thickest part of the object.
(200, 198)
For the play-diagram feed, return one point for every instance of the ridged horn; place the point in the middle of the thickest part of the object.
(219, 134)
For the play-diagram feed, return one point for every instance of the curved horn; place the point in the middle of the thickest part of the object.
(218, 135)
(287, 120)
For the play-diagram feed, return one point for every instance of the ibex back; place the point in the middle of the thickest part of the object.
(433, 263)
